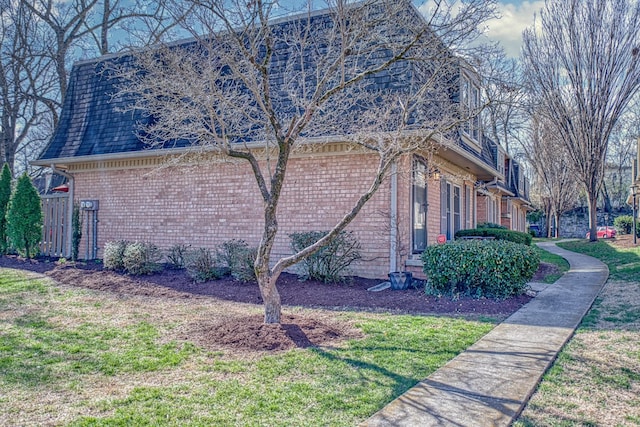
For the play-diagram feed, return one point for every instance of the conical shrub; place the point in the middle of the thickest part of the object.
(24, 218)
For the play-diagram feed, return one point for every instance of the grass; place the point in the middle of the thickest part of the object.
(75, 357)
(596, 379)
(624, 263)
(558, 261)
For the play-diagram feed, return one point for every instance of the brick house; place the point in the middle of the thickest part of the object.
(140, 196)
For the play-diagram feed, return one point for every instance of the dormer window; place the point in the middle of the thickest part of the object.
(470, 100)
(501, 163)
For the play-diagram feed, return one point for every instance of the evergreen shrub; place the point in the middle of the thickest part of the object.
(76, 237)
(142, 258)
(113, 258)
(24, 218)
(5, 196)
(479, 268)
(498, 234)
(623, 224)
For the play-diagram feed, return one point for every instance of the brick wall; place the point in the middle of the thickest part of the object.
(209, 204)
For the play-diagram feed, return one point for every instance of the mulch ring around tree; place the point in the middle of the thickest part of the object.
(249, 332)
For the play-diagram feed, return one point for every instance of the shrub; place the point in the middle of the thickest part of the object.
(498, 234)
(177, 256)
(5, 196)
(141, 258)
(624, 224)
(24, 218)
(239, 259)
(491, 225)
(480, 268)
(113, 258)
(331, 262)
(76, 225)
(202, 265)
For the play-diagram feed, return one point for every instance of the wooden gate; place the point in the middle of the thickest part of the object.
(55, 228)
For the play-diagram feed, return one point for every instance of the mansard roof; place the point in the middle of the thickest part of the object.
(92, 122)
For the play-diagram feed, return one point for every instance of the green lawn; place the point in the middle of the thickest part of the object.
(548, 257)
(596, 378)
(74, 357)
(624, 264)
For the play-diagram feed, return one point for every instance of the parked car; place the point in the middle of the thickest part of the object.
(534, 229)
(604, 232)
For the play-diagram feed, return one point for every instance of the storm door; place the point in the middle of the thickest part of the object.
(419, 214)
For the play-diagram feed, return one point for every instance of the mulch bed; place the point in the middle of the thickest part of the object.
(249, 332)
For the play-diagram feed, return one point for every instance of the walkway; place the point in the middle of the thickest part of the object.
(489, 383)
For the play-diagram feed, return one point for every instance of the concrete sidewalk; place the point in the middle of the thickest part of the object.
(489, 383)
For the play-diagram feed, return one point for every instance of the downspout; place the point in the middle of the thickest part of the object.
(69, 228)
(393, 225)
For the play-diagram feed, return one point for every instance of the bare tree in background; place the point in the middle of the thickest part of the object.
(299, 85)
(622, 151)
(504, 116)
(583, 67)
(86, 26)
(25, 76)
(553, 172)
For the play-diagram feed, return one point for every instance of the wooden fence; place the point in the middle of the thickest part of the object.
(55, 228)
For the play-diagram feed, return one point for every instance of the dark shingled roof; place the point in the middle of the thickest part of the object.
(92, 123)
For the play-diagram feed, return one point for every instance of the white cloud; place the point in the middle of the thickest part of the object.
(515, 18)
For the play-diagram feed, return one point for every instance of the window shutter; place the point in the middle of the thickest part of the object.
(443, 207)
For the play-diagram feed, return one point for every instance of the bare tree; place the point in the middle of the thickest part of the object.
(257, 91)
(620, 155)
(86, 27)
(505, 115)
(583, 68)
(24, 76)
(553, 172)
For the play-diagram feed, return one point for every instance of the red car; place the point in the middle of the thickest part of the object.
(604, 233)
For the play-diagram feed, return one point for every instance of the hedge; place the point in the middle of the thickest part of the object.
(497, 233)
(479, 268)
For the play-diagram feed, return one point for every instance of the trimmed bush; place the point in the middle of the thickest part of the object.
(5, 196)
(177, 256)
(239, 259)
(498, 234)
(491, 225)
(623, 224)
(24, 218)
(331, 263)
(113, 258)
(141, 258)
(479, 268)
(202, 265)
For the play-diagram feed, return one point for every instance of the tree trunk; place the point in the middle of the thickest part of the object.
(270, 297)
(557, 234)
(547, 214)
(606, 198)
(592, 200)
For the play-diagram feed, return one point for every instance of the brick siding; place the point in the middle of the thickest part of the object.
(206, 205)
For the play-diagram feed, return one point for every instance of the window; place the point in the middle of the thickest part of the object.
(501, 162)
(419, 211)
(456, 209)
(470, 100)
(450, 205)
(467, 207)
